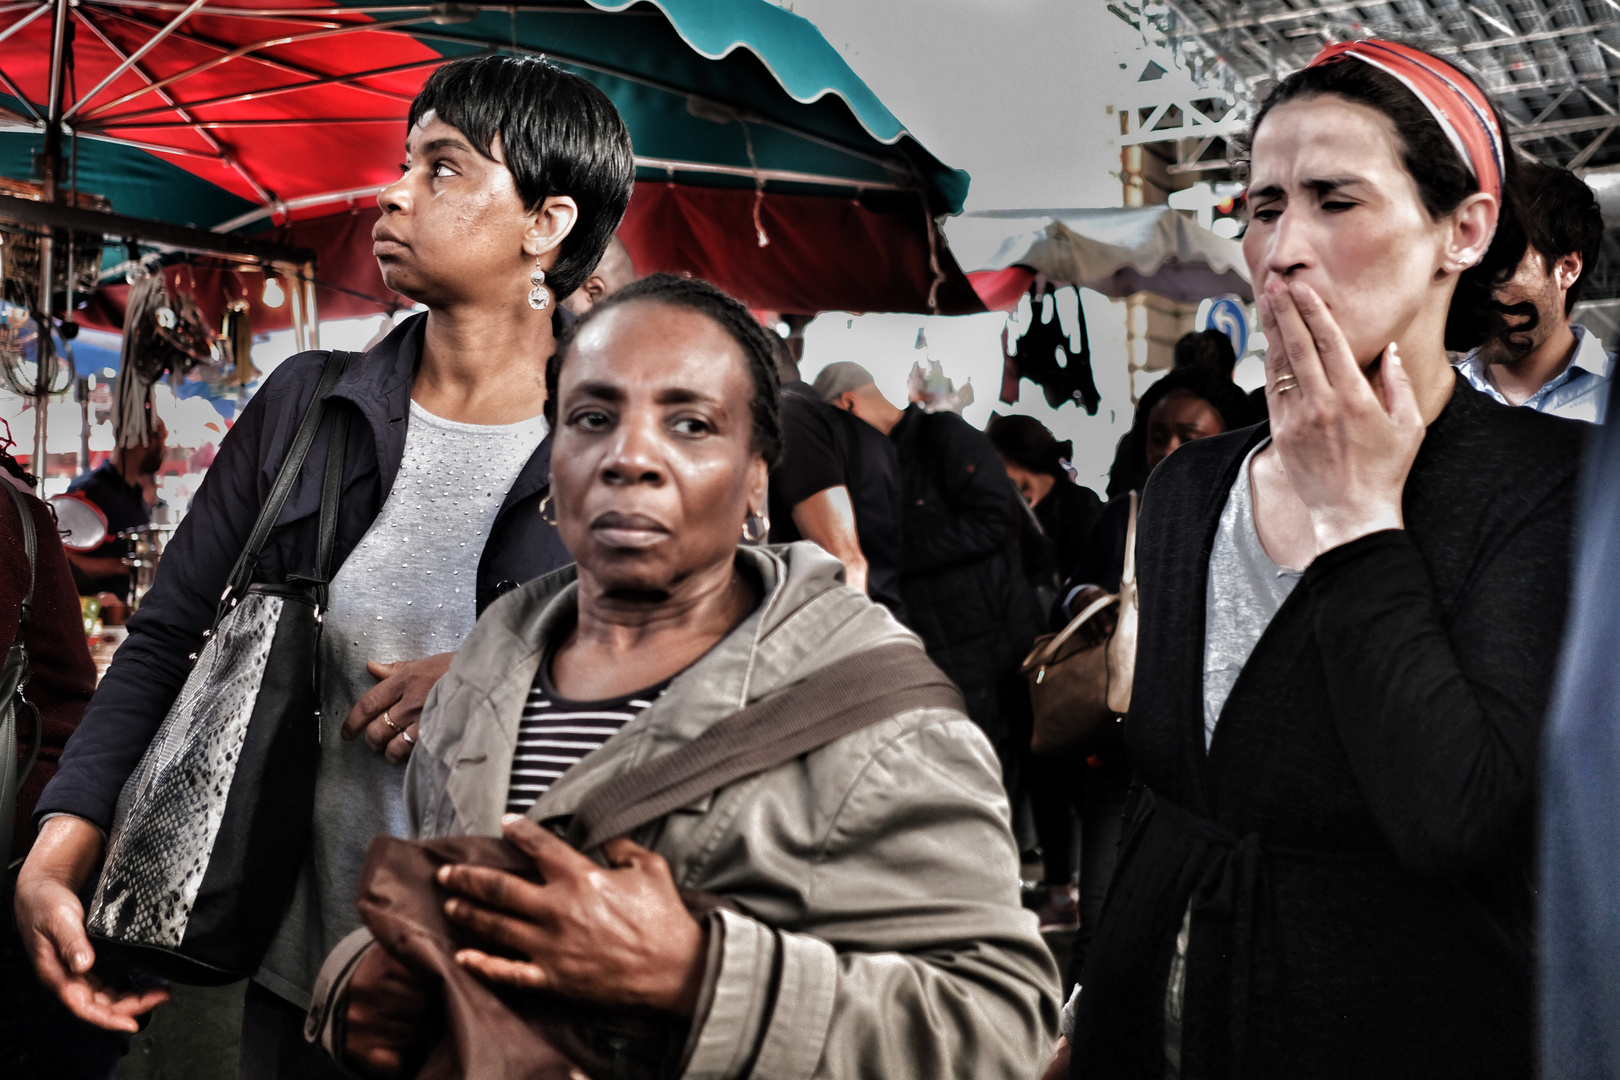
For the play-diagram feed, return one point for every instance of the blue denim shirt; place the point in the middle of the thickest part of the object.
(1579, 392)
(1580, 817)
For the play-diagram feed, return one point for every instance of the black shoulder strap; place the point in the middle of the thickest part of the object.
(838, 700)
(30, 547)
(291, 466)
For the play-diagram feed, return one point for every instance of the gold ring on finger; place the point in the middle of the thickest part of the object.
(397, 729)
(1284, 384)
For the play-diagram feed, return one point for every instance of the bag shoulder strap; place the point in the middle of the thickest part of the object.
(30, 548)
(1127, 576)
(13, 677)
(838, 700)
(291, 466)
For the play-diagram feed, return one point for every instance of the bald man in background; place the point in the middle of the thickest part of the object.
(614, 270)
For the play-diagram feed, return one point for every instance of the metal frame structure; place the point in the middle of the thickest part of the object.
(1553, 66)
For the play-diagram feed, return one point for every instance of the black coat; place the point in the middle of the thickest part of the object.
(152, 663)
(965, 592)
(1355, 847)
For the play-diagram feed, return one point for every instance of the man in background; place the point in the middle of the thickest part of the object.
(1546, 363)
(124, 489)
(614, 270)
(965, 592)
(836, 489)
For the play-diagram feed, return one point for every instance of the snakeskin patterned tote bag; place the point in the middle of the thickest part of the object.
(212, 827)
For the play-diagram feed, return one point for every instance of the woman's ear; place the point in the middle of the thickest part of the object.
(758, 485)
(1473, 224)
(549, 224)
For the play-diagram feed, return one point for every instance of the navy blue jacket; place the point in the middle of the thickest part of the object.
(152, 665)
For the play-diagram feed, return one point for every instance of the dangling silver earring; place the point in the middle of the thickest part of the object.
(539, 296)
(756, 527)
(545, 504)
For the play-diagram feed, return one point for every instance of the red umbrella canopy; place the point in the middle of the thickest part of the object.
(765, 165)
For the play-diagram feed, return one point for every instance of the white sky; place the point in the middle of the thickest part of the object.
(1015, 92)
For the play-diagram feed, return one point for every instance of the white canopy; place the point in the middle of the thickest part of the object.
(1116, 251)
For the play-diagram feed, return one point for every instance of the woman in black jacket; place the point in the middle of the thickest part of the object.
(1349, 621)
(517, 175)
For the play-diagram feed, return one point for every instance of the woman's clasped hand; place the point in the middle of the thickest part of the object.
(1346, 438)
(615, 935)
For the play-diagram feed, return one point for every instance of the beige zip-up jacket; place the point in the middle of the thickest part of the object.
(884, 938)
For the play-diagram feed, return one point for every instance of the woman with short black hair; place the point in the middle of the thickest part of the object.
(517, 175)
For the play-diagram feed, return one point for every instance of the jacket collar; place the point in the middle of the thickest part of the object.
(805, 621)
(379, 385)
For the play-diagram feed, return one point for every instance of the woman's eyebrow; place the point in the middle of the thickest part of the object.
(1327, 185)
(680, 395)
(1270, 191)
(602, 391)
(446, 142)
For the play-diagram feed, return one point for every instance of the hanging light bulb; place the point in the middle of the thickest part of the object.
(273, 296)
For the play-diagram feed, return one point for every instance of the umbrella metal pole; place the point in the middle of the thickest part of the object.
(51, 167)
(295, 307)
(312, 314)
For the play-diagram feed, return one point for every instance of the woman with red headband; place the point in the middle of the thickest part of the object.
(1349, 621)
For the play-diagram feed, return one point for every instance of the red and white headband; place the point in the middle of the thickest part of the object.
(1462, 110)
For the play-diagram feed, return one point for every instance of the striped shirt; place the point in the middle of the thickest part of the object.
(556, 733)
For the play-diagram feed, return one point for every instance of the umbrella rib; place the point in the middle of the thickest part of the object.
(5, 80)
(225, 155)
(131, 59)
(270, 121)
(271, 91)
(240, 51)
(156, 148)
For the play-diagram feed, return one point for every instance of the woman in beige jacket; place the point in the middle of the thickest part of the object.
(878, 932)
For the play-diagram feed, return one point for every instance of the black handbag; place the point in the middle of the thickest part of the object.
(212, 828)
(13, 681)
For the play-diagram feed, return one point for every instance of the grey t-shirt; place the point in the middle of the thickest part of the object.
(1245, 590)
(408, 590)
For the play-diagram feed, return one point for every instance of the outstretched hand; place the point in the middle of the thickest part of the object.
(50, 922)
(616, 935)
(1346, 441)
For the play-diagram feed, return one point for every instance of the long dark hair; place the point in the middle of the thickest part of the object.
(1442, 177)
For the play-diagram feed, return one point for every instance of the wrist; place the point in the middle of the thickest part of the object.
(688, 971)
(65, 853)
(1333, 529)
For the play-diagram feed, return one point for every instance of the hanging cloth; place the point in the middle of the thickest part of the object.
(1034, 356)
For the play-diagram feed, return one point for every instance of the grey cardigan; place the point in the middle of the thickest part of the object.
(883, 938)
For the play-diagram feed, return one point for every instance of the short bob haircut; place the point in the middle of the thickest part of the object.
(560, 136)
(732, 316)
(1442, 177)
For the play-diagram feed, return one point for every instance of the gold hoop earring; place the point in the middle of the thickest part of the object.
(545, 504)
(756, 527)
(539, 296)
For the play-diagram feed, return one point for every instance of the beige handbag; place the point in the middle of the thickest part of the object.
(1080, 677)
